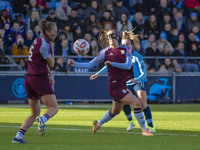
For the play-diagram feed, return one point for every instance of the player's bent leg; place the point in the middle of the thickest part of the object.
(127, 111)
(131, 100)
(52, 108)
(141, 94)
(35, 111)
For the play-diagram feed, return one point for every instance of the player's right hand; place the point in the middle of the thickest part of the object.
(94, 76)
(71, 62)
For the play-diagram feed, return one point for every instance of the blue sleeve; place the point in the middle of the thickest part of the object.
(45, 50)
(103, 70)
(127, 65)
(142, 69)
(98, 59)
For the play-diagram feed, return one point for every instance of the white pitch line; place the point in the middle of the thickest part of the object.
(85, 130)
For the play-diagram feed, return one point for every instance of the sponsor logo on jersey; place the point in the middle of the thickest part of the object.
(124, 91)
(18, 88)
(123, 52)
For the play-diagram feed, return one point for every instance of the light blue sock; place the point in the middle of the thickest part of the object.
(45, 118)
(107, 117)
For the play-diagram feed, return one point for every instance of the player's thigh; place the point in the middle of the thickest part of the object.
(49, 100)
(35, 106)
(116, 108)
(142, 97)
(130, 100)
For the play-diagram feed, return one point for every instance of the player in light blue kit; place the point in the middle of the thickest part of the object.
(136, 85)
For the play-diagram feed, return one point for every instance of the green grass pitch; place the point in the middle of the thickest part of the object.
(178, 128)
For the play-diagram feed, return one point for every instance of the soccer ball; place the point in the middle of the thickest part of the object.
(81, 47)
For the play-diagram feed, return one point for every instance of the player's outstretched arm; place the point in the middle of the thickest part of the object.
(103, 70)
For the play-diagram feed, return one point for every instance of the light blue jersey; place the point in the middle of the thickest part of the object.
(138, 68)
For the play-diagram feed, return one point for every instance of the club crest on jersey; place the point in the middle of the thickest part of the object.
(124, 91)
(123, 52)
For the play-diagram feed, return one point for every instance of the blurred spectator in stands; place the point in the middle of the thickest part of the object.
(88, 37)
(94, 48)
(180, 21)
(29, 38)
(192, 5)
(166, 67)
(181, 38)
(151, 26)
(106, 18)
(106, 2)
(91, 22)
(76, 21)
(123, 22)
(22, 25)
(43, 6)
(179, 4)
(138, 23)
(166, 51)
(139, 6)
(5, 17)
(60, 65)
(65, 51)
(95, 9)
(52, 17)
(195, 30)
(162, 9)
(167, 20)
(150, 5)
(174, 36)
(180, 50)
(22, 65)
(194, 50)
(7, 36)
(3, 51)
(153, 50)
(191, 40)
(36, 31)
(95, 32)
(33, 7)
(176, 66)
(64, 48)
(3, 48)
(66, 31)
(162, 41)
(120, 9)
(15, 30)
(167, 30)
(19, 49)
(19, 6)
(109, 7)
(4, 36)
(193, 21)
(78, 34)
(34, 20)
(63, 11)
(147, 43)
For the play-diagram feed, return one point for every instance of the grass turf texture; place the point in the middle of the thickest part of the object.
(178, 128)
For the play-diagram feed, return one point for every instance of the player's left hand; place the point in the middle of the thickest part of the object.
(52, 81)
(133, 80)
(107, 63)
(71, 62)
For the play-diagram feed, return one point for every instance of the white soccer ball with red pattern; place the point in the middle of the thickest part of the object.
(81, 47)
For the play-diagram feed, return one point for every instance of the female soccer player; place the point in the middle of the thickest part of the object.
(118, 61)
(38, 80)
(136, 85)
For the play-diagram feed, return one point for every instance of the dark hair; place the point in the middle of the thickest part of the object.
(46, 26)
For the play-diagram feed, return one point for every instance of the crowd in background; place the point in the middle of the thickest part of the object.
(165, 27)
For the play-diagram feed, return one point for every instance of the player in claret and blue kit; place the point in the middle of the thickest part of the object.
(118, 60)
(38, 80)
